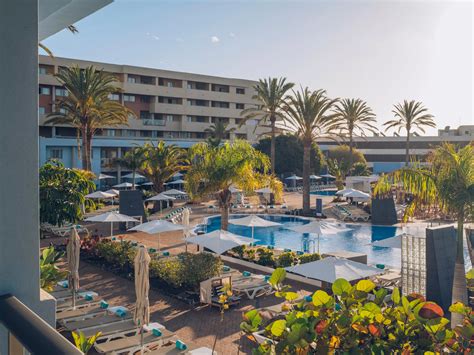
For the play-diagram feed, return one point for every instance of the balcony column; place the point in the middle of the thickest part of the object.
(19, 155)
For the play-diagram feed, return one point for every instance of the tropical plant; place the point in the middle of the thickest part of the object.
(218, 132)
(270, 94)
(354, 117)
(447, 183)
(358, 319)
(339, 170)
(62, 193)
(360, 169)
(50, 274)
(161, 162)
(214, 170)
(411, 116)
(87, 107)
(290, 147)
(341, 160)
(308, 116)
(84, 343)
(133, 160)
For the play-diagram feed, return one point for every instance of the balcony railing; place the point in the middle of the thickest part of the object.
(153, 122)
(34, 334)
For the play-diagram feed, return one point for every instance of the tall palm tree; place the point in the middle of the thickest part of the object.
(412, 116)
(449, 184)
(270, 94)
(354, 116)
(133, 160)
(161, 162)
(215, 169)
(217, 133)
(308, 114)
(87, 106)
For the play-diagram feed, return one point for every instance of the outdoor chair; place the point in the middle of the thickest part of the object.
(88, 311)
(132, 344)
(118, 330)
(97, 322)
(66, 304)
(252, 286)
(174, 347)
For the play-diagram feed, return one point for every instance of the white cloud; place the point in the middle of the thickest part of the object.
(232, 34)
(215, 39)
(156, 37)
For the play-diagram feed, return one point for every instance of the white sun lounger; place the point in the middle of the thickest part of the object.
(79, 313)
(96, 322)
(170, 349)
(130, 345)
(66, 304)
(251, 286)
(119, 330)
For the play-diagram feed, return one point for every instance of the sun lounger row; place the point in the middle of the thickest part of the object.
(63, 230)
(344, 214)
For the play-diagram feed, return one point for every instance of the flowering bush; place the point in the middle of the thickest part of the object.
(359, 319)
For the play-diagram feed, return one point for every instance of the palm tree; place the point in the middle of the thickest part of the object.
(161, 162)
(308, 116)
(354, 116)
(217, 133)
(215, 169)
(133, 160)
(449, 184)
(87, 106)
(412, 116)
(270, 93)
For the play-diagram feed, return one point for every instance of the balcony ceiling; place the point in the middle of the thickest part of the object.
(55, 15)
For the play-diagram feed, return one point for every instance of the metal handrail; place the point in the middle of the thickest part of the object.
(37, 336)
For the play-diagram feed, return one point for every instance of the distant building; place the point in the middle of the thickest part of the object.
(385, 154)
(171, 106)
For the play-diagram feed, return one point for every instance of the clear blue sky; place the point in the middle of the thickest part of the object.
(381, 51)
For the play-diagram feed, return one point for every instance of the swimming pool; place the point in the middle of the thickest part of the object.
(358, 239)
(324, 193)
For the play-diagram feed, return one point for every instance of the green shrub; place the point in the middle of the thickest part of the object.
(265, 257)
(168, 270)
(240, 251)
(307, 258)
(287, 259)
(250, 254)
(117, 254)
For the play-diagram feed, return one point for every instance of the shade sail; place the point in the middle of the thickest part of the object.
(100, 194)
(328, 176)
(123, 185)
(253, 221)
(178, 175)
(330, 269)
(264, 190)
(172, 192)
(113, 192)
(318, 227)
(149, 183)
(234, 190)
(176, 182)
(315, 177)
(104, 176)
(157, 226)
(357, 194)
(219, 241)
(161, 197)
(344, 191)
(111, 217)
(392, 242)
(130, 176)
(294, 177)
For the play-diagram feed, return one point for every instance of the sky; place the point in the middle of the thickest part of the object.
(378, 50)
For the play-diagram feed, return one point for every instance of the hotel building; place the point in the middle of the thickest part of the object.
(171, 106)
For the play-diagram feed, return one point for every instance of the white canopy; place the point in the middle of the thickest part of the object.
(130, 176)
(149, 183)
(161, 197)
(328, 176)
(178, 174)
(264, 190)
(104, 176)
(234, 190)
(176, 182)
(294, 177)
(392, 242)
(113, 192)
(100, 194)
(219, 241)
(315, 177)
(157, 226)
(123, 185)
(330, 269)
(253, 221)
(319, 228)
(357, 195)
(172, 192)
(111, 217)
(344, 191)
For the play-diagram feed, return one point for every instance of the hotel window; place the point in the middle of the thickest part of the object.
(221, 104)
(44, 90)
(42, 71)
(144, 114)
(56, 153)
(41, 110)
(185, 134)
(190, 86)
(63, 111)
(61, 92)
(240, 91)
(169, 118)
(239, 106)
(239, 121)
(129, 98)
(169, 134)
(131, 79)
(114, 97)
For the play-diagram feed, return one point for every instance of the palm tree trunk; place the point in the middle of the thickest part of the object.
(459, 293)
(89, 151)
(351, 149)
(224, 198)
(306, 170)
(84, 148)
(272, 143)
(407, 150)
(133, 179)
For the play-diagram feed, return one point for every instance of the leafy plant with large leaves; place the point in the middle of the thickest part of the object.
(87, 105)
(161, 162)
(358, 319)
(50, 274)
(62, 193)
(84, 343)
(411, 116)
(213, 170)
(448, 182)
(271, 96)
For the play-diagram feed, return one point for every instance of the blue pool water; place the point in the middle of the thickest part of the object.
(358, 239)
(324, 193)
